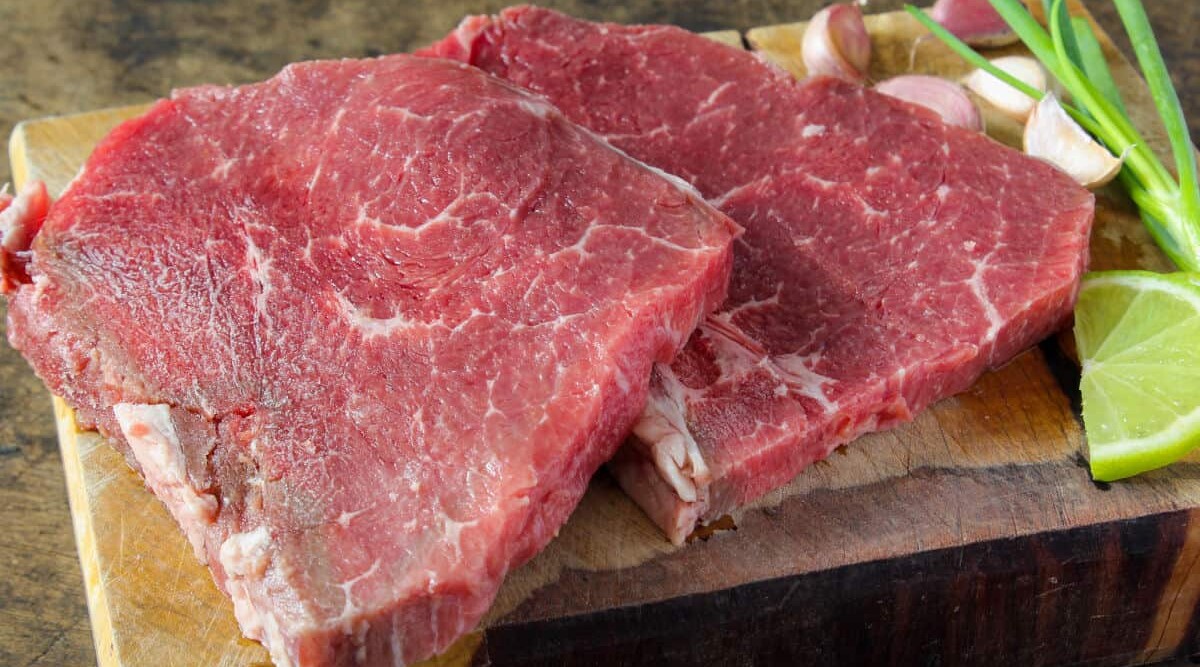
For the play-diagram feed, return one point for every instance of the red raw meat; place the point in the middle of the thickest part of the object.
(888, 260)
(367, 329)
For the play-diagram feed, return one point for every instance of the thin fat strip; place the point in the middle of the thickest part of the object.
(888, 260)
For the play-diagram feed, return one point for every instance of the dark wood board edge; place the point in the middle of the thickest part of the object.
(1105, 594)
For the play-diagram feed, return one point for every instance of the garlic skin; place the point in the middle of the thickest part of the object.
(946, 98)
(975, 22)
(836, 43)
(1055, 137)
(1004, 97)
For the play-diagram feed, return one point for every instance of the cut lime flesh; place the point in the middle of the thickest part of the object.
(1138, 335)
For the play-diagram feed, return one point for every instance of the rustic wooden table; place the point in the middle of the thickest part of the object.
(62, 56)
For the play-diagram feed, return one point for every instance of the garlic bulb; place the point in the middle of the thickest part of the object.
(836, 43)
(1004, 97)
(975, 22)
(1054, 136)
(948, 99)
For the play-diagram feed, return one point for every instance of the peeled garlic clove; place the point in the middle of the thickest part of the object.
(1055, 137)
(975, 22)
(1004, 97)
(836, 43)
(948, 99)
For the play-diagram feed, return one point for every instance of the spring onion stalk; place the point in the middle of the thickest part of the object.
(1133, 15)
(1094, 65)
(1070, 52)
(1069, 41)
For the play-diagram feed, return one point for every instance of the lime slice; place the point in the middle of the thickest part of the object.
(1138, 335)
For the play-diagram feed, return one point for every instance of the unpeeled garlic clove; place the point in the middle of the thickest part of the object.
(836, 43)
(975, 22)
(1054, 136)
(948, 99)
(1004, 97)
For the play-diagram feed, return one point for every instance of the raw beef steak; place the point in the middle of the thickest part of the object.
(367, 329)
(888, 259)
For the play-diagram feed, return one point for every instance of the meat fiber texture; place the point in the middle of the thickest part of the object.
(888, 259)
(367, 329)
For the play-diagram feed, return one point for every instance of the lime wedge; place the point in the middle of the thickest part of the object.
(1138, 335)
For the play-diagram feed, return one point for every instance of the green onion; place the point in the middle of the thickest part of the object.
(1133, 15)
(1060, 13)
(1070, 52)
(1091, 59)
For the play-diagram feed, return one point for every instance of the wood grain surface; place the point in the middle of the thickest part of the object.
(971, 536)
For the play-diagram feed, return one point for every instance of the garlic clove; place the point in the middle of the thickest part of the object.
(836, 43)
(948, 99)
(1004, 97)
(975, 22)
(1054, 136)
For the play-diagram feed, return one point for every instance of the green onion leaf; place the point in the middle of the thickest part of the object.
(1094, 64)
(1141, 36)
(1115, 129)
(1068, 36)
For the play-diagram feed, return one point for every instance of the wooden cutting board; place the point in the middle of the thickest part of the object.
(971, 536)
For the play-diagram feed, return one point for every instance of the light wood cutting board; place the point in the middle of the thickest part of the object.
(972, 536)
